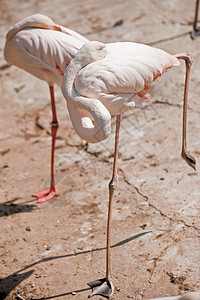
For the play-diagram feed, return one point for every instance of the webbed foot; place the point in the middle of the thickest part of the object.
(102, 287)
(45, 195)
(190, 160)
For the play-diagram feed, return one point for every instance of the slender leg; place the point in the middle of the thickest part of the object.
(112, 187)
(104, 286)
(196, 31)
(185, 154)
(49, 193)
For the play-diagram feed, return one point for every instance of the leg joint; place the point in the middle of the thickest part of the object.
(113, 184)
(54, 124)
(186, 57)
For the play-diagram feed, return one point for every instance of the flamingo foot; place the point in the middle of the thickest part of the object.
(195, 33)
(45, 195)
(102, 287)
(190, 160)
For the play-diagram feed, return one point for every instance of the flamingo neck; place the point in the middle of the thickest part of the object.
(90, 118)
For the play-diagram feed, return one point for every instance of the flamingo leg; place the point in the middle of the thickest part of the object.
(104, 286)
(185, 154)
(196, 29)
(49, 193)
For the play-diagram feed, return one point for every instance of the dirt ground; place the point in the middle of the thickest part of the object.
(51, 250)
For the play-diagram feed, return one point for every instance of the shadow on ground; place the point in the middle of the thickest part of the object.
(9, 283)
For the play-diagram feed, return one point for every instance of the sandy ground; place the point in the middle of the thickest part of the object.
(51, 250)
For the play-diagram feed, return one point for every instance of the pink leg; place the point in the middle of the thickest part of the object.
(49, 193)
(104, 286)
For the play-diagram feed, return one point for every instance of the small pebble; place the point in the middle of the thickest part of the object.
(73, 293)
(18, 297)
(119, 290)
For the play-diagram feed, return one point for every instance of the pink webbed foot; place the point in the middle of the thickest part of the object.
(45, 195)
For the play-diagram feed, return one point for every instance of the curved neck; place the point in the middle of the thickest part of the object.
(90, 118)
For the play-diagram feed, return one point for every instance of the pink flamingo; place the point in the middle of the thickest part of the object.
(101, 82)
(44, 49)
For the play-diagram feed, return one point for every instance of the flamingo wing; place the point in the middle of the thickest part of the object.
(127, 69)
(43, 53)
(41, 47)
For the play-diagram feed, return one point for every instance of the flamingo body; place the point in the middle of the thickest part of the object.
(104, 82)
(128, 68)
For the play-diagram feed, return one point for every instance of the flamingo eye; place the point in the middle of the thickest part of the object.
(100, 48)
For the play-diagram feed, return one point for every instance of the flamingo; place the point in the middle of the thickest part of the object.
(101, 81)
(44, 49)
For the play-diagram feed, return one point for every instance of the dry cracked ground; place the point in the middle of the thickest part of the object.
(51, 250)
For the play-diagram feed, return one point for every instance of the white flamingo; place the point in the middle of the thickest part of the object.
(44, 49)
(100, 82)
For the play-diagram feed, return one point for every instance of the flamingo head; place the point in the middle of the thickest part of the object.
(91, 52)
